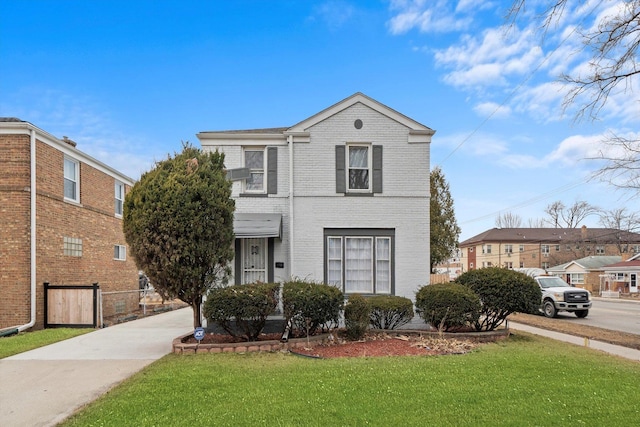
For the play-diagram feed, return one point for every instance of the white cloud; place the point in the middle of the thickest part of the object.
(427, 17)
(334, 13)
(492, 109)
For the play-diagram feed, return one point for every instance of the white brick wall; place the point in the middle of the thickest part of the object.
(403, 205)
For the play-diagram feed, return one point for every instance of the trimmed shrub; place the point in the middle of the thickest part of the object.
(310, 306)
(390, 311)
(356, 317)
(242, 310)
(502, 292)
(447, 305)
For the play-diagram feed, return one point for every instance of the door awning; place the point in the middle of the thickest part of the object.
(257, 225)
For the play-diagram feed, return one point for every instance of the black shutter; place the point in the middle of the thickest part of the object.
(238, 262)
(341, 185)
(272, 170)
(377, 168)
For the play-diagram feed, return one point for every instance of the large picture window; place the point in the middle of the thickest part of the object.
(360, 260)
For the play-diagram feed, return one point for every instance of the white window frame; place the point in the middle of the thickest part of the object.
(119, 252)
(75, 179)
(600, 249)
(368, 168)
(252, 171)
(521, 248)
(379, 266)
(119, 198)
(508, 249)
(576, 278)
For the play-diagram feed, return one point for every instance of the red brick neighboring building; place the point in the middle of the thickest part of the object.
(63, 209)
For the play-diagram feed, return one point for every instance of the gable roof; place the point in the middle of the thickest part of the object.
(361, 98)
(594, 262)
(552, 235)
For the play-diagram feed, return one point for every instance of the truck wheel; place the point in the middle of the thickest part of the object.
(582, 313)
(549, 309)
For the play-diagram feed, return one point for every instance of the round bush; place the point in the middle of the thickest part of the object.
(242, 310)
(310, 306)
(502, 292)
(390, 311)
(447, 305)
(356, 317)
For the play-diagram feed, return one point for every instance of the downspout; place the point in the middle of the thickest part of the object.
(291, 233)
(32, 191)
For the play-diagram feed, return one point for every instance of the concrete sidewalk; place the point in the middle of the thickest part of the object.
(44, 386)
(617, 350)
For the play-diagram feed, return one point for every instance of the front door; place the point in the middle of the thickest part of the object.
(633, 282)
(254, 260)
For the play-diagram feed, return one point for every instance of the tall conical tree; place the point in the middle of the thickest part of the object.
(444, 227)
(178, 222)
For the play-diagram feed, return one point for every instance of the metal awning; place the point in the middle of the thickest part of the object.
(257, 225)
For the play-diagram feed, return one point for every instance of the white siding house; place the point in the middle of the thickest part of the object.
(341, 197)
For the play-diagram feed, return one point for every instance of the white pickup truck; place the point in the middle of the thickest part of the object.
(558, 295)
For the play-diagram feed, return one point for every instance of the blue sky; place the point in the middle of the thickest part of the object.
(129, 80)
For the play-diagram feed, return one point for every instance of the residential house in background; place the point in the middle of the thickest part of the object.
(585, 272)
(623, 276)
(61, 222)
(341, 197)
(543, 247)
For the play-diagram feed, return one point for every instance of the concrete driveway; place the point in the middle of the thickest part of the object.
(44, 386)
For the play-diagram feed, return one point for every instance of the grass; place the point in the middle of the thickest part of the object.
(624, 339)
(26, 341)
(525, 380)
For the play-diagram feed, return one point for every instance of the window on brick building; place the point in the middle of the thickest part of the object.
(358, 168)
(120, 252)
(71, 179)
(599, 249)
(72, 246)
(119, 197)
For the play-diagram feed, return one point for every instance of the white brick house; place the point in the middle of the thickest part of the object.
(341, 197)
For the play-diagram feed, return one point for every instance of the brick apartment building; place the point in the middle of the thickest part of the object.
(60, 222)
(543, 247)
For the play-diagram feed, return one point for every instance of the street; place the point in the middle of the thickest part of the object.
(617, 315)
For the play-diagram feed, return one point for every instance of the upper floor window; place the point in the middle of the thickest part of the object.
(119, 198)
(263, 170)
(508, 249)
(599, 249)
(71, 179)
(120, 252)
(544, 249)
(254, 161)
(359, 168)
(486, 249)
(521, 249)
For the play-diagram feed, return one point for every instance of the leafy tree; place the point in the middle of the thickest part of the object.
(444, 227)
(501, 293)
(178, 222)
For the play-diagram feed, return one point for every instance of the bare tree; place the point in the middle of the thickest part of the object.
(508, 220)
(561, 216)
(613, 43)
(536, 223)
(620, 219)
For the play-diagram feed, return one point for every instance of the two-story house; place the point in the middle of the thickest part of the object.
(543, 247)
(342, 198)
(60, 222)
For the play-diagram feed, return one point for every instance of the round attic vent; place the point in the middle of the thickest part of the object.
(358, 124)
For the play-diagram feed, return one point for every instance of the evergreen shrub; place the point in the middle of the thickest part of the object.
(242, 310)
(447, 306)
(309, 306)
(356, 317)
(390, 311)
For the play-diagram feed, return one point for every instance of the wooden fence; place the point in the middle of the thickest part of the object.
(439, 278)
(70, 306)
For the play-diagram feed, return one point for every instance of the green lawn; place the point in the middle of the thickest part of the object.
(526, 380)
(25, 341)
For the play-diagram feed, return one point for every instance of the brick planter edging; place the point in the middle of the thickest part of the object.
(180, 347)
